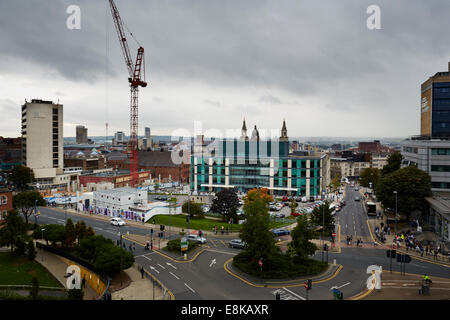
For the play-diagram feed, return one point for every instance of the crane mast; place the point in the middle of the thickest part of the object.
(135, 81)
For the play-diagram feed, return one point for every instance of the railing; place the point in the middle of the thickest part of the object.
(102, 276)
(167, 294)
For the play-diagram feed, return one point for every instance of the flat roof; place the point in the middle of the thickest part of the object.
(118, 191)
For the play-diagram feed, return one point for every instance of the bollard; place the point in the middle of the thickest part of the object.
(185, 256)
(334, 262)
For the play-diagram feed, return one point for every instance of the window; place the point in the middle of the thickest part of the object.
(4, 200)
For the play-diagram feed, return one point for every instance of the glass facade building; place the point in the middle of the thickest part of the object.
(265, 164)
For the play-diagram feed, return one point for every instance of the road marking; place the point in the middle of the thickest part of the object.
(98, 228)
(153, 268)
(169, 264)
(339, 286)
(223, 243)
(161, 266)
(294, 294)
(146, 257)
(189, 288)
(224, 252)
(174, 275)
(213, 261)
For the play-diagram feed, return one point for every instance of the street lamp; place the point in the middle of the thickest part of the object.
(323, 219)
(42, 231)
(395, 192)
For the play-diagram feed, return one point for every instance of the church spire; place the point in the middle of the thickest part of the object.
(284, 136)
(244, 136)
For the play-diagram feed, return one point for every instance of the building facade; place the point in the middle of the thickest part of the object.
(435, 106)
(81, 135)
(5, 202)
(245, 164)
(42, 138)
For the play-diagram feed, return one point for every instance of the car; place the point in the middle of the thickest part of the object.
(236, 243)
(356, 189)
(117, 222)
(206, 208)
(196, 238)
(280, 232)
(285, 198)
(279, 215)
(162, 198)
(357, 199)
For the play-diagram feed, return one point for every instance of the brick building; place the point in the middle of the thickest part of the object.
(161, 166)
(118, 178)
(5, 202)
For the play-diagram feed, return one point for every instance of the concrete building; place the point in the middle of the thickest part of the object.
(81, 135)
(348, 167)
(119, 139)
(120, 199)
(119, 179)
(42, 139)
(439, 215)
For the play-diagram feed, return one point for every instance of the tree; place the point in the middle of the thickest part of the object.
(394, 162)
(321, 213)
(255, 231)
(293, 206)
(412, 186)
(369, 175)
(194, 207)
(335, 183)
(258, 194)
(21, 176)
(53, 232)
(81, 230)
(13, 231)
(301, 236)
(31, 254)
(224, 202)
(34, 291)
(26, 202)
(71, 234)
(21, 246)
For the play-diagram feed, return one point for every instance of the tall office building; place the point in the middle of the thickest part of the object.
(82, 136)
(147, 133)
(435, 106)
(42, 138)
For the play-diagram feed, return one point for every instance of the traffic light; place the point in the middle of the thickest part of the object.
(309, 284)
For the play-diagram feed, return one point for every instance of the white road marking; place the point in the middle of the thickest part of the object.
(169, 264)
(153, 268)
(189, 288)
(339, 286)
(213, 261)
(224, 252)
(161, 266)
(294, 294)
(174, 275)
(146, 257)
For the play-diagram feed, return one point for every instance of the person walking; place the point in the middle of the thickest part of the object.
(142, 272)
(426, 279)
(222, 230)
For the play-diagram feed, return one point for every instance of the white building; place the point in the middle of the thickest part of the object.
(120, 199)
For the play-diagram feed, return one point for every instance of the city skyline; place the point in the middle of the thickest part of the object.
(315, 64)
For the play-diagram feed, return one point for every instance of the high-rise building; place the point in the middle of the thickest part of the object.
(147, 133)
(42, 138)
(81, 135)
(435, 106)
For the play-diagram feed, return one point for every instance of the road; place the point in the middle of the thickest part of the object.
(206, 277)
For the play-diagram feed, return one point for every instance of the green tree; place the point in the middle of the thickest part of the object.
(26, 201)
(53, 232)
(13, 231)
(394, 162)
(31, 250)
(34, 291)
(71, 234)
(21, 246)
(193, 207)
(81, 230)
(260, 242)
(90, 232)
(224, 201)
(369, 175)
(293, 206)
(412, 186)
(21, 176)
(335, 183)
(301, 236)
(321, 213)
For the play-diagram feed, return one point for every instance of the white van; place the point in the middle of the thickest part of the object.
(117, 222)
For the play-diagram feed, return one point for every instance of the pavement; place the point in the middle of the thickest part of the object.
(139, 288)
(58, 268)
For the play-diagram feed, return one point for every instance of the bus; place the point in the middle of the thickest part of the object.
(371, 208)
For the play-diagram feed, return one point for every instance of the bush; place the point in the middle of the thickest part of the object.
(175, 245)
(31, 251)
(278, 266)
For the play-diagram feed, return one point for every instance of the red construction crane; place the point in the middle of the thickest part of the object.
(135, 82)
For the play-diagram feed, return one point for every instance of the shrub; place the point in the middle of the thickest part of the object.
(175, 245)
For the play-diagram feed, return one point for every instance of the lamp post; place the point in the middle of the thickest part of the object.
(370, 187)
(35, 213)
(395, 192)
(120, 235)
(42, 231)
(323, 219)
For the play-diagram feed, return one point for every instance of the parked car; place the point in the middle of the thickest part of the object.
(162, 198)
(285, 198)
(236, 243)
(279, 215)
(356, 189)
(357, 199)
(117, 222)
(205, 208)
(280, 232)
(196, 238)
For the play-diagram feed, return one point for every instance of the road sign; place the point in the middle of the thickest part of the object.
(260, 262)
(305, 285)
(333, 234)
(184, 244)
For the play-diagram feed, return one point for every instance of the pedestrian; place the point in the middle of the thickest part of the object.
(134, 246)
(227, 230)
(357, 243)
(148, 245)
(131, 250)
(222, 230)
(426, 279)
(142, 272)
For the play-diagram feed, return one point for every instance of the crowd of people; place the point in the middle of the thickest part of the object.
(411, 243)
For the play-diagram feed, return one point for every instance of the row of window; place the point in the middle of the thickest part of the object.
(439, 168)
(410, 149)
(440, 185)
(440, 151)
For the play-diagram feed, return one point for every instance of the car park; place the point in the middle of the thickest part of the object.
(117, 222)
(236, 243)
(280, 232)
(196, 238)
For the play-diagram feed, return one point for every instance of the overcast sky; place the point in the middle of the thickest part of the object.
(313, 63)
